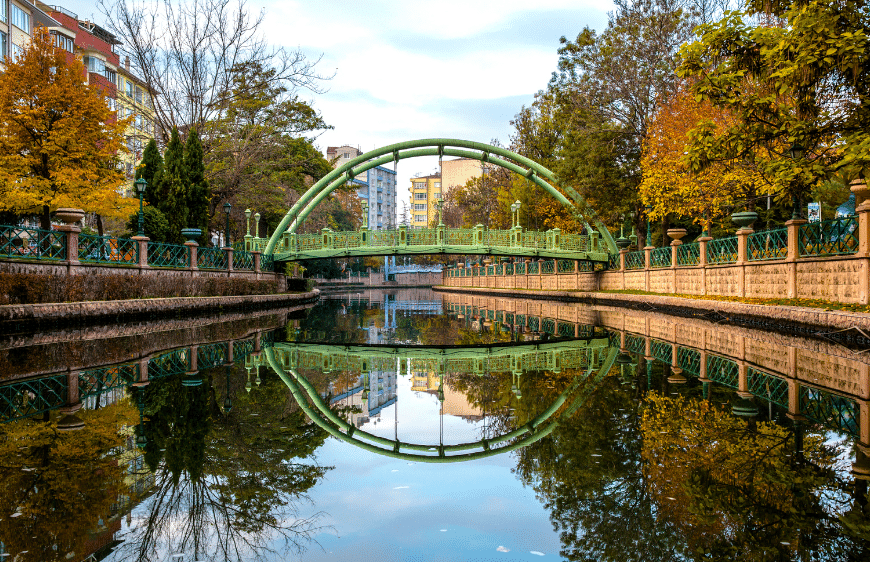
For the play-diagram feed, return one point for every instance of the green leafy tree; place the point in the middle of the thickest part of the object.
(151, 170)
(154, 224)
(198, 191)
(798, 90)
(173, 189)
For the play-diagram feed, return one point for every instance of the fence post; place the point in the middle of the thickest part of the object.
(229, 251)
(793, 229)
(193, 250)
(257, 265)
(702, 261)
(742, 253)
(647, 263)
(72, 246)
(675, 255)
(143, 250)
(863, 211)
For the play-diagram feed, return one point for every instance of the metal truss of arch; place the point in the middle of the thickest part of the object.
(498, 156)
(284, 362)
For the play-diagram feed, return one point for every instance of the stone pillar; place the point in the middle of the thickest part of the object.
(72, 246)
(194, 357)
(193, 251)
(143, 372)
(257, 262)
(863, 254)
(675, 250)
(142, 241)
(229, 252)
(647, 262)
(69, 421)
(742, 258)
(793, 255)
(702, 263)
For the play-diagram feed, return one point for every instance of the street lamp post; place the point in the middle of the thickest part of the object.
(141, 186)
(227, 208)
(648, 237)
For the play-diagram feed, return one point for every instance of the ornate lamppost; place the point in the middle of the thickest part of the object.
(141, 186)
(439, 205)
(227, 208)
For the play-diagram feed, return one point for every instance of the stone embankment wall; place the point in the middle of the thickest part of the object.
(377, 280)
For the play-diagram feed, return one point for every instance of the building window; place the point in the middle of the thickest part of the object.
(419, 196)
(63, 42)
(111, 75)
(138, 94)
(419, 185)
(437, 184)
(2, 44)
(17, 51)
(110, 103)
(437, 195)
(20, 19)
(129, 89)
(96, 65)
(419, 206)
(419, 218)
(3, 14)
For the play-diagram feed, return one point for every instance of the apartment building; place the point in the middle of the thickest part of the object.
(425, 192)
(96, 48)
(376, 186)
(457, 172)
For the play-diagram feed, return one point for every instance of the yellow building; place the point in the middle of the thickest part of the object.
(456, 173)
(134, 100)
(425, 191)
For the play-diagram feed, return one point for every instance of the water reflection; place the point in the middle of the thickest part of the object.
(643, 437)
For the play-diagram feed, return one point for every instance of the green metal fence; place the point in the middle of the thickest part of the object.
(267, 262)
(520, 268)
(243, 261)
(533, 267)
(168, 255)
(723, 371)
(767, 245)
(565, 266)
(106, 249)
(211, 258)
(767, 386)
(635, 260)
(829, 409)
(722, 250)
(829, 238)
(548, 266)
(660, 257)
(613, 261)
(21, 242)
(32, 397)
(689, 254)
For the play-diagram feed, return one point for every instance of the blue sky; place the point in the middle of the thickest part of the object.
(413, 69)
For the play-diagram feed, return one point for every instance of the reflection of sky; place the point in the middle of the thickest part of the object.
(389, 509)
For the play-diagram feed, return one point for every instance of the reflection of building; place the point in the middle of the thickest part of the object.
(455, 403)
(376, 186)
(373, 391)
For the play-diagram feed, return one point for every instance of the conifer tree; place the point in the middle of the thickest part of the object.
(173, 188)
(151, 169)
(198, 190)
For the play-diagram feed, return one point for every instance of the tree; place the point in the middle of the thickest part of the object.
(58, 139)
(798, 90)
(189, 53)
(608, 88)
(172, 192)
(151, 170)
(198, 191)
(670, 186)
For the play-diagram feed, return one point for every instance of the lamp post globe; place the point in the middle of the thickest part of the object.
(141, 186)
(227, 208)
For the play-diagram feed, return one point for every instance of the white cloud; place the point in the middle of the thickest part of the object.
(503, 549)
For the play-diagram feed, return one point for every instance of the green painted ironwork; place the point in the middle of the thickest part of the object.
(829, 409)
(723, 371)
(613, 261)
(689, 254)
(428, 147)
(243, 348)
(169, 255)
(490, 270)
(770, 387)
(548, 326)
(22, 242)
(508, 269)
(533, 267)
(768, 245)
(689, 360)
(548, 267)
(565, 266)
(829, 238)
(267, 262)
(499, 269)
(212, 355)
(94, 382)
(106, 249)
(660, 257)
(662, 351)
(533, 323)
(30, 397)
(169, 363)
(211, 258)
(722, 250)
(635, 260)
(635, 344)
(243, 261)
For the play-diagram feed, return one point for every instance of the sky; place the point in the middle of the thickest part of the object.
(406, 70)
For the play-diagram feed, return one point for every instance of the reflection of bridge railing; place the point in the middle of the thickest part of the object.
(30, 397)
(285, 358)
(442, 240)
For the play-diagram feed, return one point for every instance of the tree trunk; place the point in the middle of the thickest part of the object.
(45, 219)
(99, 224)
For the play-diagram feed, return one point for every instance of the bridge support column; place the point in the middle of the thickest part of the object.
(143, 372)
(69, 421)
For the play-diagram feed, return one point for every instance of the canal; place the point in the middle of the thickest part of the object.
(415, 425)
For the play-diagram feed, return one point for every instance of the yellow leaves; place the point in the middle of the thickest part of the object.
(58, 139)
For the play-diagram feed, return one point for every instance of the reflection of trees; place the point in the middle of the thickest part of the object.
(229, 484)
(588, 473)
(58, 489)
(738, 490)
(334, 321)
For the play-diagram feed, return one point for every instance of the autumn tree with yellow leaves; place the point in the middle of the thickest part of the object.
(670, 186)
(59, 141)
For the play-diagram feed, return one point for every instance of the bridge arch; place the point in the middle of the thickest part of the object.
(428, 147)
(318, 411)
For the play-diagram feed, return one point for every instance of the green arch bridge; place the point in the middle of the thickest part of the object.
(285, 244)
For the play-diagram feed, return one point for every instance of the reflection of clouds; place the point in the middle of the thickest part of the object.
(503, 549)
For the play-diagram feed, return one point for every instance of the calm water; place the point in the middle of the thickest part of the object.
(413, 425)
